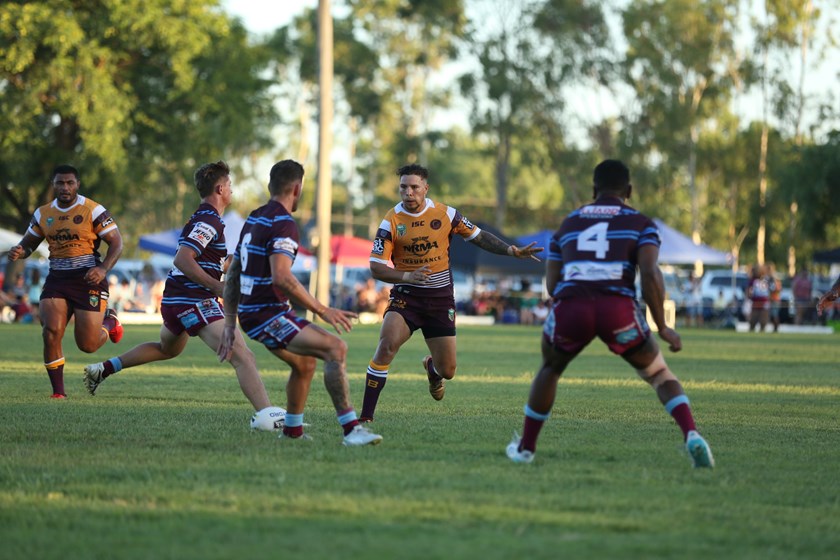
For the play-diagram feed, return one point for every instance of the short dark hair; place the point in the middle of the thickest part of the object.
(64, 168)
(611, 175)
(208, 175)
(282, 174)
(414, 169)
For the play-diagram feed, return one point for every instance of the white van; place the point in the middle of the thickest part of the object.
(716, 281)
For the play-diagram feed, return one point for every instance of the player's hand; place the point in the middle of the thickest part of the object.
(526, 252)
(826, 299)
(218, 289)
(671, 336)
(225, 350)
(419, 276)
(95, 275)
(17, 252)
(338, 318)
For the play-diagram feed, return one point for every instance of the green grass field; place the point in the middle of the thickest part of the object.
(161, 463)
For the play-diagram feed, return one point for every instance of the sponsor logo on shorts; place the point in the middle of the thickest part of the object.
(400, 230)
(77, 219)
(93, 299)
(188, 318)
(626, 336)
(397, 303)
(451, 314)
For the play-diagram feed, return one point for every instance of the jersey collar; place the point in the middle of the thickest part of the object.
(401, 209)
(79, 200)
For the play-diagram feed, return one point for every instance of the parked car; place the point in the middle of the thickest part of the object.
(716, 281)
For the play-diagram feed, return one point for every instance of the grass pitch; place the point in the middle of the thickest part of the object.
(161, 464)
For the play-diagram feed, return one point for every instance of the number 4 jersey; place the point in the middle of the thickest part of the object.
(598, 245)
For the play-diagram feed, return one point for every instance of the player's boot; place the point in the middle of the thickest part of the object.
(699, 450)
(436, 382)
(93, 376)
(116, 332)
(58, 396)
(515, 455)
(360, 435)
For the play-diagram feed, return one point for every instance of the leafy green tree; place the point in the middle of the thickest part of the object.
(134, 93)
(680, 63)
(527, 65)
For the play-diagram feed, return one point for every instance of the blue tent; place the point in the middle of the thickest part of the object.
(676, 248)
(166, 242)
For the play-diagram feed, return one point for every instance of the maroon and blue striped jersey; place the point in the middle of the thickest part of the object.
(597, 246)
(204, 233)
(269, 230)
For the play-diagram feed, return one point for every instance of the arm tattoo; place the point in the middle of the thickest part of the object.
(491, 243)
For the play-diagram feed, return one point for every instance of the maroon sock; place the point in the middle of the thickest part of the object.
(57, 379)
(108, 368)
(293, 431)
(530, 433)
(373, 388)
(682, 415)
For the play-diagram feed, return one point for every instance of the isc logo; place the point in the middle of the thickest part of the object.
(421, 223)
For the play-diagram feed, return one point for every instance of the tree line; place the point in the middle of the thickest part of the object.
(137, 93)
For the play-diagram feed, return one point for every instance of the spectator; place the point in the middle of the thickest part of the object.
(22, 309)
(775, 286)
(366, 297)
(801, 288)
(540, 312)
(758, 293)
(694, 302)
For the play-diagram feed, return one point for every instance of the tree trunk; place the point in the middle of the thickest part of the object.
(502, 166)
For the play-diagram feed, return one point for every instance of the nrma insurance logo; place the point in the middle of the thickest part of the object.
(420, 246)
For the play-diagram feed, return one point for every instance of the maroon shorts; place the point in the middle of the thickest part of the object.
(435, 316)
(271, 329)
(191, 317)
(618, 321)
(77, 292)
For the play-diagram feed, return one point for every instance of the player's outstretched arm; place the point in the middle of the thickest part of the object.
(493, 244)
(286, 282)
(828, 297)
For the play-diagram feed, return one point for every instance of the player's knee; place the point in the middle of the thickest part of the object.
(88, 347)
(305, 367)
(51, 334)
(337, 351)
(656, 373)
(446, 370)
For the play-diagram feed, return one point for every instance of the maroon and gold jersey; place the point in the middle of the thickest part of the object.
(411, 241)
(73, 234)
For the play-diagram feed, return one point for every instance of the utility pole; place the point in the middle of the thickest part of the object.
(323, 216)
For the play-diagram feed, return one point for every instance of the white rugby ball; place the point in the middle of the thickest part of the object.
(269, 419)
